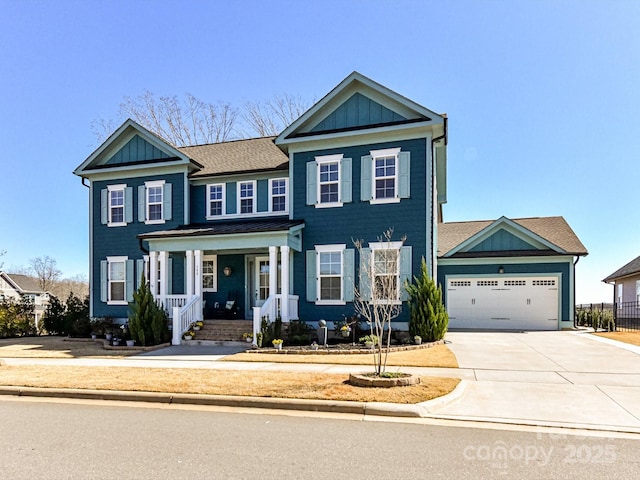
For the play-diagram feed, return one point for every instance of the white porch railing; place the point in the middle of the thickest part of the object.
(272, 308)
(169, 302)
(184, 316)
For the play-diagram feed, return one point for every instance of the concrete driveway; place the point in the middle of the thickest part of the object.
(547, 378)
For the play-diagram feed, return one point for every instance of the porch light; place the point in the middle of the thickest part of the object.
(227, 271)
(501, 270)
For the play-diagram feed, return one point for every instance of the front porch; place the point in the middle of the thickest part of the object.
(239, 272)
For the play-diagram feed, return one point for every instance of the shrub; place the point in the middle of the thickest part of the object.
(77, 323)
(55, 317)
(427, 315)
(16, 318)
(147, 321)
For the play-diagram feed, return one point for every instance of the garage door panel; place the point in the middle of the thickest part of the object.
(503, 303)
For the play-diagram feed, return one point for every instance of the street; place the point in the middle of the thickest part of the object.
(47, 439)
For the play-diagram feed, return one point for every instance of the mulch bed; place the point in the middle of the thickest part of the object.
(340, 349)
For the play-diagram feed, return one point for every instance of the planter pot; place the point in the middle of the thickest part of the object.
(131, 343)
(196, 328)
(93, 336)
(314, 347)
(345, 334)
(417, 340)
(108, 336)
(188, 337)
(278, 346)
(116, 343)
(248, 339)
(368, 344)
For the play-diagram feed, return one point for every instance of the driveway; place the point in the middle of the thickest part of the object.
(547, 378)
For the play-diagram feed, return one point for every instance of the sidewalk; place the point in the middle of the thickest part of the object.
(559, 379)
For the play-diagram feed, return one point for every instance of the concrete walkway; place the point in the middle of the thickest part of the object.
(564, 379)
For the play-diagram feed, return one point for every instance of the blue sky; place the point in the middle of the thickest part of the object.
(542, 99)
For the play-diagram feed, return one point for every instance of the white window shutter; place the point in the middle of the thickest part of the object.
(142, 203)
(364, 281)
(312, 183)
(312, 280)
(405, 271)
(104, 206)
(166, 202)
(365, 178)
(346, 180)
(129, 281)
(404, 177)
(128, 205)
(348, 272)
(104, 282)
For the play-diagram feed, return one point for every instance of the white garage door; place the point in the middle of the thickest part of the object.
(503, 303)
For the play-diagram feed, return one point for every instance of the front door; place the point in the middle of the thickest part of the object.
(260, 281)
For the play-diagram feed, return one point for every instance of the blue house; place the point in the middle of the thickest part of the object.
(266, 226)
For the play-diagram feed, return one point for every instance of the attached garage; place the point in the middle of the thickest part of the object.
(509, 274)
(503, 303)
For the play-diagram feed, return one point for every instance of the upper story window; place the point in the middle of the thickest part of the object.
(385, 176)
(278, 194)
(215, 200)
(154, 202)
(116, 205)
(329, 181)
(246, 197)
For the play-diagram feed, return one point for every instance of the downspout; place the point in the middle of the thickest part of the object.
(434, 198)
(574, 291)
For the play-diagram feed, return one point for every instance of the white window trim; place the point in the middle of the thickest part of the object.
(114, 188)
(148, 185)
(224, 202)
(214, 259)
(325, 249)
(387, 152)
(286, 195)
(254, 198)
(324, 159)
(638, 291)
(376, 246)
(111, 260)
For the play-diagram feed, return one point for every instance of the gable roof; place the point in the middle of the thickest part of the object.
(631, 268)
(157, 150)
(550, 234)
(357, 103)
(22, 283)
(250, 155)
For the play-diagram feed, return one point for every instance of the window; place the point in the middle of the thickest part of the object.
(246, 197)
(154, 202)
(329, 181)
(209, 277)
(278, 193)
(620, 291)
(384, 269)
(330, 275)
(215, 200)
(116, 280)
(385, 176)
(330, 270)
(116, 205)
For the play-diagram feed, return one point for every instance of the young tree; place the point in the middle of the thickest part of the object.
(428, 317)
(147, 321)
(54, 317)
(46, 271)
(377, 296)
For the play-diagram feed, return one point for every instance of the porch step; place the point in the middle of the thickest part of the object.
(224, 330)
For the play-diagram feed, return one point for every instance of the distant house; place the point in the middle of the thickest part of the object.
(18, 287)
(626, 282)
(509, 274)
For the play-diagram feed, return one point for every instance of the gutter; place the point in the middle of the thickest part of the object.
(445, 137)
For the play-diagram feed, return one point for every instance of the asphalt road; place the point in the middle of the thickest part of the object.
(43, 439)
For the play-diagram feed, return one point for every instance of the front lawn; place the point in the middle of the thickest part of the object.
(627, 337)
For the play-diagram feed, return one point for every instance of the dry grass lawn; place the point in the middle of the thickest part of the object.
(627, 337)
(438, 356)
(55, 347)
(215, 382)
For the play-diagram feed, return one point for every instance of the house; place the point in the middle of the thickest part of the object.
(509, 274)
(267, 225)
(626, 282)
(18, 287)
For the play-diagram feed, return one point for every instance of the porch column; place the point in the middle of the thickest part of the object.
(153, 273)
(164, 262)
(273, 280)
(197, 279)
(190, 274)
(284, 287)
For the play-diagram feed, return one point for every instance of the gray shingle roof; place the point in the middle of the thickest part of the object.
(26, 283)
(631, 268)
(251, 155)
(555, 230)
(226, 228)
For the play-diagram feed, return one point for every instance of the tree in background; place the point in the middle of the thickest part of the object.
(427, 315)
(16, 318)
(46, 271)
(147, 321)
(191, 121)
(2, 254)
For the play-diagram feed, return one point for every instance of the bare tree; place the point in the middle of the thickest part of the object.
(271, 117)
(77, 285)
(2, 254)
(46, 271)
(189, 121)
(377, 296)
